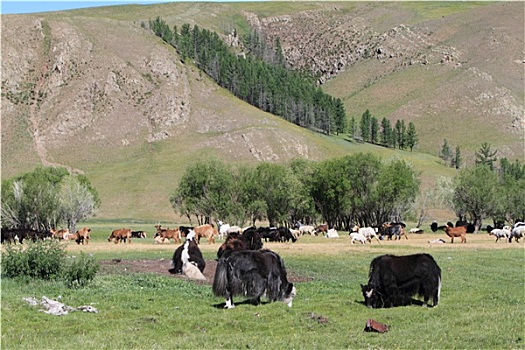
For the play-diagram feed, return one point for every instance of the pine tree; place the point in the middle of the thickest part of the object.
(445, 152)
(486, 156)
(365, 126)
(411, 136)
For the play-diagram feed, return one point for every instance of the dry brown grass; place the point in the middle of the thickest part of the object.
(318, 245)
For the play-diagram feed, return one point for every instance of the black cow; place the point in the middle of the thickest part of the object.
(138, 234)
(252, 273)
(394, 280)
(269, 234)
(286, 235)
(11, 235)
(188, 252)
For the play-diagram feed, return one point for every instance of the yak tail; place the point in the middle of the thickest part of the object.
(439, 290)
(220, 281)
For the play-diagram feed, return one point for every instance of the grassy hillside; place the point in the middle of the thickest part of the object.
(93, 91)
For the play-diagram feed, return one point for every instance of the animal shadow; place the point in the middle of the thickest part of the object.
(237, 303)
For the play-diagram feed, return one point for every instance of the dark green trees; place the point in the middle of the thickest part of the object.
(259, 78)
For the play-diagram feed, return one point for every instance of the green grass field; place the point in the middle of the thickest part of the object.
(481, 306)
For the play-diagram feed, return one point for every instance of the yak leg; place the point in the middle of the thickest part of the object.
(229, 301)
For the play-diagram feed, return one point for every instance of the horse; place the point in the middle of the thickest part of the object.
(452, 232)
(367, 232)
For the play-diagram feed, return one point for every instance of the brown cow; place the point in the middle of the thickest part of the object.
(460, 231)
(120, 235)
(83, 235)
(167, 233)
(207, 231)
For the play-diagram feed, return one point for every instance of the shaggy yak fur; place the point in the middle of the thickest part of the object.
(252, 273)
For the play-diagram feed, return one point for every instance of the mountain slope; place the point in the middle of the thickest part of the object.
(93, 91)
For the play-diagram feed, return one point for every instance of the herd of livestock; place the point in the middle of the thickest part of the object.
(244, 268)
(358, 234)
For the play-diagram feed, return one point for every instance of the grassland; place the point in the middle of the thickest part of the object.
(481, 304)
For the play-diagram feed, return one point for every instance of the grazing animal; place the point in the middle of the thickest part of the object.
(250, 239)
(416, 230)
(167, 233)
(138, 234)
(187, 253)
(223, 229)
(321, 228)
(396, 229)
(207, 231)
(120, 235)
(59, 234)
(306, 229)
(499, 233)
(368, 232)
(19, 234)
(452, 232)
(271, 234)
(518, 231)
(332, 233)
(357, 237)
(252, 273)
(394, 280)
(184, 230)
(286, 235)
(10, 236)
(82, 236)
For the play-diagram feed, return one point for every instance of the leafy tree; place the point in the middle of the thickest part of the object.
(411, 136)
(34, 200)
(205, 191)
(304, 211)
(397, 188)
(280, 189)
(486, 156)
(511, 192)
(76, 201)
(330, 189)
(475, 193)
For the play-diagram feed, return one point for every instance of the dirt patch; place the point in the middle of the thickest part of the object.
(161, 266)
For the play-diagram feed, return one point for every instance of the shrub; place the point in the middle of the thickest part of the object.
(40, 259)
(80, 272)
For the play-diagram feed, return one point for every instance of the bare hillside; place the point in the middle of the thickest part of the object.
(93, 91)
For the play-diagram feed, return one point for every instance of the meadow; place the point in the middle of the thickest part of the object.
(481, 305)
